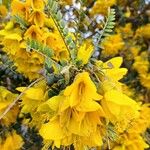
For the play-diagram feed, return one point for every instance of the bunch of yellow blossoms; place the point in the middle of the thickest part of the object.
(40, 28)
(76, 99)
(79, 117)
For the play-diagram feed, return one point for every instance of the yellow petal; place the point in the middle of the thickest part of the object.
(120, 99)
(9, 25)
(85, 51)
(33, 93)
(54, 102)
(118, 105)
(51, 131)
(64, 104)
(79, 90)
(116, 73)
(116, 62)
(37, 4)
(4, 104)
(14, 36)
(12, 142)
(88, 105)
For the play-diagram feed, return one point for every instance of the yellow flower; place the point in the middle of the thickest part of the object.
(37, 4)
(101, 6)
(132, 139)
(13, 142)
(9, 26)
(32, 102)
(125, 31)
(53, 129)
(33, 97)
(71, 123)
(8, 29)
(143, 31)
(85, 51)
(33, 32)
(131, 142)
(37, 17)
(11, 43)
(77, 91)
(135, 50)
(113, 69)
(56, 43)
(68, 2)
(6, 98)
(3, 11)
(28, 63)
(111, 74)
(120, 109)
(77, 113)
(49, 22)
(145, 80)
(21, 8)
(112, 44)
(141, 63)
(128, 90)
(80, 99)
(95, 139)
(142, 122)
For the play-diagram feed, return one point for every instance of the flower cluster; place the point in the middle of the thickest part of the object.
(35, 25)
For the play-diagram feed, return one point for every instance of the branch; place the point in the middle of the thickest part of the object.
(57, 17)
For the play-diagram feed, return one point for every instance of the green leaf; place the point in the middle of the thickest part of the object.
(62, 24)
(54, 7)
(65, 31)
(63, 62)
(106, 34)
(23, 24)
(37, 46)
(50, 3)
(68, 39)
(108, 30)
(108, 27)
(48, 62)
(59, 15)
(111, 23)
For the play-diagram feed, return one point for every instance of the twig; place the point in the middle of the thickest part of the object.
(61, 34)
(108, 142)
(18, 97)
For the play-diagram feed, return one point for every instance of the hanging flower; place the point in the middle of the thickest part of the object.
(3, 11)
(77, 113)
(120, 109)
(21, 8)
(13, 142)
(37, 4)
(56, 43)
(6, 98)
(37, 17)
(85, 51)
(34, 32)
